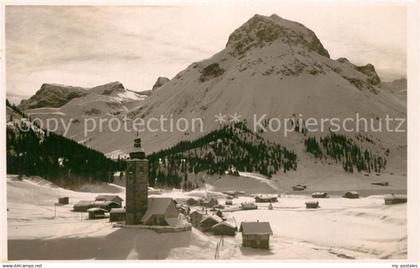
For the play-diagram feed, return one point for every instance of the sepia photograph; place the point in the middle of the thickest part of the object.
(207, 132)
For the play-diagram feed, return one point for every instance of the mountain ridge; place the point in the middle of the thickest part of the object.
(278, 75)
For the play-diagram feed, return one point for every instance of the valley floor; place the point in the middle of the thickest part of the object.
(342, 228)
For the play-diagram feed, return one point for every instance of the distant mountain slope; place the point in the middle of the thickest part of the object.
(52, 95)
(56, 96)
(398, 86)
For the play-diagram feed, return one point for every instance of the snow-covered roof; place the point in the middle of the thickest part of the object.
(84, 203)
(266, 196)
(198, 212)
(117, 210)
(211, 217)
(319, 193)
(157, 206)
(108, 197)
(395, 196)
(96, 210)
(103, 203)
(256, 228)
(224, 223)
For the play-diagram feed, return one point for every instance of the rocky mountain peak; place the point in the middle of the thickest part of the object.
(109, 88)
(370, 72)
(52, 95)
(260, 31)
(160, 82)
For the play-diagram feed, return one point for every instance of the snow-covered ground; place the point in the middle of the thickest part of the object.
(342, 228)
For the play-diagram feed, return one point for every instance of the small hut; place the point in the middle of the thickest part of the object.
(196, 216)
(312, 204)
(96, 213)
(248, 206)
(393, 199)
(319, 195)
(63, 200)
(208, 222)
(299, 187)
(224, 228)
(229, 202)
(256, 234)
(266, 199)
(351, 195)
(117, 214)
(381, 183)
(193, 202)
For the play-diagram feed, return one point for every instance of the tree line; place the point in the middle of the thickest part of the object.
(345, 151)
(32, 151)
(231, 146)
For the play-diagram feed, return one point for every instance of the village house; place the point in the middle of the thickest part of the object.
(395, 199)
(112, 198)
(248, 206)
(196, 216)
(299, 187)
(208, 222)
(266, 199)
(256, 234)
(117, 214)
(312, 204)
(319, 195)
(96, 213)
(224, 228)
(161, 211)
(351, 195)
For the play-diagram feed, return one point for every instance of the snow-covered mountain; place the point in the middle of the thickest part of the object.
(104, 100)
(271, 66)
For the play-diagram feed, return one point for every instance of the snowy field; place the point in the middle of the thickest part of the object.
(342, 228)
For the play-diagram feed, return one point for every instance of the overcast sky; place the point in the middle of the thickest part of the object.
(88, 46)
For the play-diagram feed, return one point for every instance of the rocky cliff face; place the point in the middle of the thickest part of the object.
(52, 95)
